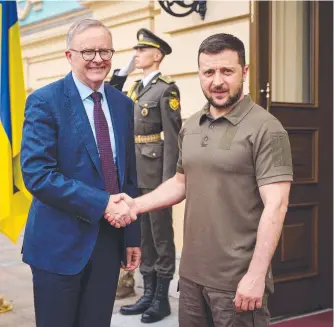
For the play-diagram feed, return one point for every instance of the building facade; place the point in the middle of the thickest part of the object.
(289, 46)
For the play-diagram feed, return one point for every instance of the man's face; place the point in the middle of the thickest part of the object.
(221, 77)
(146, 57)
(93, 72)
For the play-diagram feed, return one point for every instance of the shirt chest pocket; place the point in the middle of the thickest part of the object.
(152, 151)
(227, 138)
(148, 110)
(234, 152)
(191, 138)
(221, 150)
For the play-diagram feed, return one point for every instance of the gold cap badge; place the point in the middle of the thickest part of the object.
(144, 112)
(141, 37)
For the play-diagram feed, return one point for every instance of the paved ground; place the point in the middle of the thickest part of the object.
(16, 286)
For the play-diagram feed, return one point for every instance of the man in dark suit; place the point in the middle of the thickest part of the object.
(77, 151)
(157, 110)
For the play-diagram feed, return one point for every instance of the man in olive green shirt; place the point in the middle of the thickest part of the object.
(235, 171)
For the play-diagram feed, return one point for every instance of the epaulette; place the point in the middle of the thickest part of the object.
(132, 88)
(166, 79)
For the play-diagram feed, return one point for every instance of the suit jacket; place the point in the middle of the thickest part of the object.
(62, 169)
(157, 109)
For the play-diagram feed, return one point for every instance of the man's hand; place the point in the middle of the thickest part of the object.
(120, 220)
(133, 256)
(118, 212)
(129, 68)
(249, 292)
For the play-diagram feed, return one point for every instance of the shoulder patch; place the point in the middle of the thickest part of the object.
(174, 103)
(166, 79)
(280, 148)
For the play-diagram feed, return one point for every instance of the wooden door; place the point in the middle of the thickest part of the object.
(292, 77)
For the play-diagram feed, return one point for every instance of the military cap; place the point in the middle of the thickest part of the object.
(146, 39)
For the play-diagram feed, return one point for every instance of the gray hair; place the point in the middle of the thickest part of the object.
(81, 26)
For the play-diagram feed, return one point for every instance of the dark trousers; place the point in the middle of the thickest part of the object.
(201, 306)
(85, 299)
(157, 242)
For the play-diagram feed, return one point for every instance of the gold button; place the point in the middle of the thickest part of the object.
(145, 105)
(154, 154)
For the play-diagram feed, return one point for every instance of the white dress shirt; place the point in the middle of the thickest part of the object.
(85, 92)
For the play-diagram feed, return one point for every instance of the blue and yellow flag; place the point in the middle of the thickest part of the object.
(14, 198)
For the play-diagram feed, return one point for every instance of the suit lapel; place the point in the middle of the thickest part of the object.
(78, 114)
(117, 117)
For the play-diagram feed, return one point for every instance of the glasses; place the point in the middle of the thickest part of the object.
(90, 54)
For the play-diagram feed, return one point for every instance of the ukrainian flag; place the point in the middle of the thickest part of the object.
(14, 198)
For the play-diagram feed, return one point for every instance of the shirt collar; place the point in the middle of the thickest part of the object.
(149, 77)
(235, 116)
(84, 90)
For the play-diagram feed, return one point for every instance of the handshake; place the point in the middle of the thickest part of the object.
(121, 210)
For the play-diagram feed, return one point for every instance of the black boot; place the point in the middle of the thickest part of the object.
(145, 301)
(160, 307)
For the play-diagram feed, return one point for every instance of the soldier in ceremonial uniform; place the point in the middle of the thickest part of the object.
(157, 122)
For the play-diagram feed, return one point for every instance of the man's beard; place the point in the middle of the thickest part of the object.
(231, 100)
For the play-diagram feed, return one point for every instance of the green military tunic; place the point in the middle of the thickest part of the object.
(157, 122)
(157, 109)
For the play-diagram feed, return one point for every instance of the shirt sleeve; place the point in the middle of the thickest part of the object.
(179, 167)
(272, 154)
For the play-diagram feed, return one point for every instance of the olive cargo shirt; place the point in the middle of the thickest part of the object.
(225, 161)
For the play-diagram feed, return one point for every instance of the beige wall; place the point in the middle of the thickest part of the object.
(44, 44)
